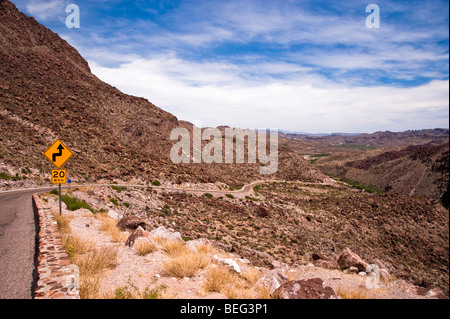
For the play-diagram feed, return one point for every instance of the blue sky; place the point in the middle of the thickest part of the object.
(310, 66)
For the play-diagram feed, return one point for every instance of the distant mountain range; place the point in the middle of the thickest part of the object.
(385, 139)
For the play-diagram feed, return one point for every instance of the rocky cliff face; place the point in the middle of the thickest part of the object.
(47, 91)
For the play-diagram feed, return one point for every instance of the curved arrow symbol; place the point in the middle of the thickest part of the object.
(54, 155)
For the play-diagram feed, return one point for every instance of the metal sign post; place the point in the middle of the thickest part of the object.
(59, 176)
(60, 206)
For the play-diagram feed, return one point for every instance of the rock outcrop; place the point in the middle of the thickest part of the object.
(349, 259)
(131, 223)
(314, 288)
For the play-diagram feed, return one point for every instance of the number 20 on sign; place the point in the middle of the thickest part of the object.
(59, 176)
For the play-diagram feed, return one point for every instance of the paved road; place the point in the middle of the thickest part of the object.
(17, 244)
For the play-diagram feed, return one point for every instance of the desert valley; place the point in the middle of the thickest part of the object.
(338, 206)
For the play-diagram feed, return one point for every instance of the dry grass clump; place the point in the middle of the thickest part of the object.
(251, 275)
(92, 266)
(89, 287)
(216, 277)
(355, 293)
(184, 262)
(96, 261)
(109, 226)
(75, 245)
(171, 247)
(145, 247)
(235, 286)
(63, 223)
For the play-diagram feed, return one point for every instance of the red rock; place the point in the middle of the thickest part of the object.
(314, 288)
(349, 259)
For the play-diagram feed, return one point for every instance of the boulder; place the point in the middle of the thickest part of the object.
(314, 288)
(195, 243)
(316, 256)
(228, 263)
(130, 223)
(272, 280)
(114, 215)
(164, 233)
(262, 211)
(349, 259)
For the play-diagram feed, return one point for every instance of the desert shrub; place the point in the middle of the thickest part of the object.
(96, 261)
(109, 226)
(92, 266)
(118, 188)
(355, 293)
(75, 245)
(156, 183)
(217, 277)
(144, 248)
(5, 176)
(183, 262)
(133, 292)
(74, 203)
(62, 223)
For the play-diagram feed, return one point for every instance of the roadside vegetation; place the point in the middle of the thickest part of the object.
(358, 185)
(74, 203)
(92, 261)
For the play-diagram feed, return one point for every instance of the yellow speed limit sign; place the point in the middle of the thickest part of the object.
(59, 176)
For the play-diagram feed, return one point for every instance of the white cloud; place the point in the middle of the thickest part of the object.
(223, 94)
(43, 10)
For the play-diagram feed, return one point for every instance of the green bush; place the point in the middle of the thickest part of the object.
(229, 195)
(156, 183)
(5, 176)
(74, 203)
(114, 201)
(118, 188)
(208, 195)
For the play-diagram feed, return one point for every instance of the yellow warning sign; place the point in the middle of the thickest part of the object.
(58, 153)
(59, 176)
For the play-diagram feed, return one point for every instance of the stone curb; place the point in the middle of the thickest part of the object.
(56, 277)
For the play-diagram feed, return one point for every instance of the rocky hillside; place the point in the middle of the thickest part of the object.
(416, 170)
(284, 233)
(47, 91)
